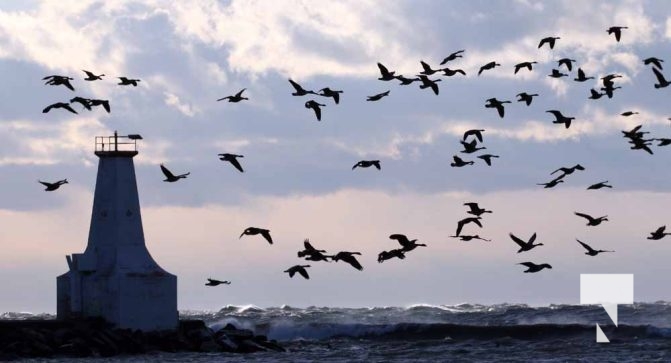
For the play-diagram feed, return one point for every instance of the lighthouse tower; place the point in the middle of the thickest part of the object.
(116, 278)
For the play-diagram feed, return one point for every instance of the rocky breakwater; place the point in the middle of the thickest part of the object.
(95, 338)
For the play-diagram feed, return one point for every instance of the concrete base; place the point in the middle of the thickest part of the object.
(127, 301)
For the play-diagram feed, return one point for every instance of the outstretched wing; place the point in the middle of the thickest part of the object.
(304, 273)
(427, 68)
(587, 247)
(296, 86)
(556, 114)
(318, 112)
(236, 164)
(167, 172)
(659, 75)
(355, 263)
(400, 238)
(239, 94)
(308, 246)
(517, 240)
(266, 235)
(383, 70)
(67, 84)
(588, 217)
(106, 106)
(67, 107)
(500, 109)
(47, 109)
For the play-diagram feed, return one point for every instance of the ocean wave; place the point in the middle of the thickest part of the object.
(286, 331)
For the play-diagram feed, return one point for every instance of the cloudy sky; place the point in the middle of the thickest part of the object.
(298, 180)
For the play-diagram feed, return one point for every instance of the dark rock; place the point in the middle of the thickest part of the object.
(227, 344)
(229, 326)
(249, 346)
(210, 345)
(240, 334)
(95, 338)
(272, 345)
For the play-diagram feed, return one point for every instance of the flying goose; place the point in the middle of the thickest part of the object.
(53, 186)
(527, 65)
(458, 162)
(566, 62)
(532, 267)
(658, 233)
(471, 147)
(233, 159)
(407, 244)
(590, 250)
(473, 132)
(451, 72)
(92, 77)
(349, 258)
(300, 91)
(467, 238)
(599, 185)
(526, 97)
(427, 70)
(56, 80)
(170, 177)
(312, 253)
(327, 92)
(367, 164)
(475, 209)
(661, 81)
(300, 269)
(488, 66)
(561, 119)
(568, 171)
(654, 61)
(557, 74)
(617, 31)
(487, 158)
(314, 105)
(235, 98)
(452, 56)
(128, 82)
(591, 221)
(213, 282)
(465, 221)
(581, 76)
(387, 255)
(378, 96)
(498, 105)
(525, 245)
(63, 105)
(386, 75)
(550, 41)
(429, 83)
(253, 231)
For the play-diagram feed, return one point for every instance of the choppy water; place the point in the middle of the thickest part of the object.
(458, 333)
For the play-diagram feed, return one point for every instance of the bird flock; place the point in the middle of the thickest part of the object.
(472, 142)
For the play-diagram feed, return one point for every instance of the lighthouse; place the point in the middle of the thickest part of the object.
(116, 278)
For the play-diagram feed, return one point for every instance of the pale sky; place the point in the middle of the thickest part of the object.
(298, 180)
